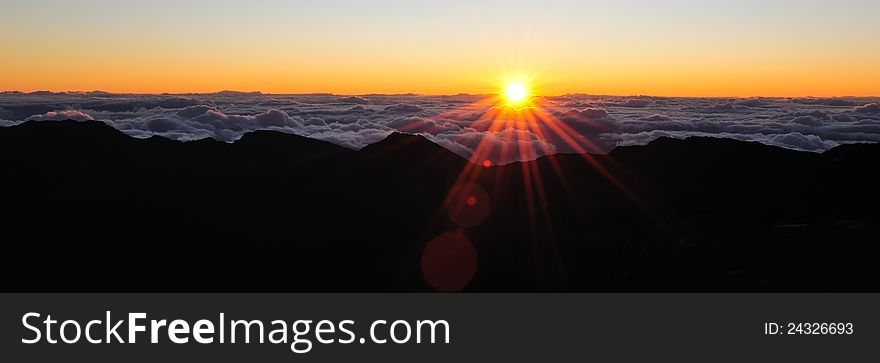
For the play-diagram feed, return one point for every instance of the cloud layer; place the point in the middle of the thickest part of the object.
(461, 123)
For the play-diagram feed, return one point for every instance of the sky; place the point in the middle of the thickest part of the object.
(625, 47)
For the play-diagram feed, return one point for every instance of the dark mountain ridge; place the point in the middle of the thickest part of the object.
(87, 207)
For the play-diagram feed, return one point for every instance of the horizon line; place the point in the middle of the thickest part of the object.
(6, 92)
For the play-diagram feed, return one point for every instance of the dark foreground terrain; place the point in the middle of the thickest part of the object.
(85, 207)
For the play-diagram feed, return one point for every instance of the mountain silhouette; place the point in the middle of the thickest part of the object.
(88, 208)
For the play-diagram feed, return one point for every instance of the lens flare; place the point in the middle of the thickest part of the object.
(449, 262)
(467, 204)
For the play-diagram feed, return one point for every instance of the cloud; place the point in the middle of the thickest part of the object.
(656, 117)
(161, 125)
(807, 120)
(842, 118)
(422, 125)
(868, 108)
(193, 111)
(119, 104)
(61, 115)
(796, 140)
(314, 121)
(6, 114)
(275, 118)
(587, 113)
(717, 108)
(7, 123)
(633, 102)
(751, 102)
(404, 108)
(204, 121)
(825, 101)
(461, 122)
(354, 99)
(817, 114)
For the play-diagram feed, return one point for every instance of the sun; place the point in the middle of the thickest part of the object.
(516, 92)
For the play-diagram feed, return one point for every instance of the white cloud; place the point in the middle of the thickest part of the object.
(594, 123)
(61, 115)
(868, 108)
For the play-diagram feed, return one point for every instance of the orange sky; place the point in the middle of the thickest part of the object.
(678, 48)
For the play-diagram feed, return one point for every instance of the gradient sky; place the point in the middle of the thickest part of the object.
(672, 48)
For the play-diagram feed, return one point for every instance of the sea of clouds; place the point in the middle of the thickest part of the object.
(461, 122)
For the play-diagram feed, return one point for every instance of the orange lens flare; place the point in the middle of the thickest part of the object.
(515, 126)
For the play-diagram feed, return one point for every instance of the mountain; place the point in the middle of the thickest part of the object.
(87, 208)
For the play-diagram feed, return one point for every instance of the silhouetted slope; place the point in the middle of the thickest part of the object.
(86, 207)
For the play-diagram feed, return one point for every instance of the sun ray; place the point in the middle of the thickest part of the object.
(516, 125)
